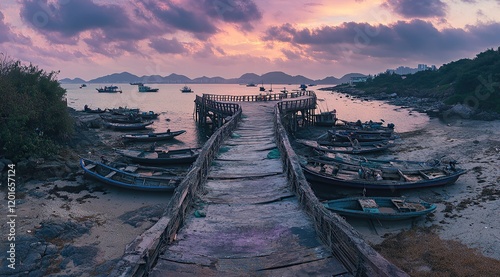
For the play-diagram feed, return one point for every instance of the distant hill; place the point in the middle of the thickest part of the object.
(274, 77)
(472, 82)
(72, 81)
(123, 77)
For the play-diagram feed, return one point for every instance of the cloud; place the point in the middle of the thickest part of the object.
(200, 17)
(167, 46)
(413, 39)
(4, 30)
(241, 12)
(69, 18)
(417, 9)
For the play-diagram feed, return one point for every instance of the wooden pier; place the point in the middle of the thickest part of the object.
(245, 209)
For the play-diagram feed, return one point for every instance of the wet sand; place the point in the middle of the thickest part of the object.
(467, 210)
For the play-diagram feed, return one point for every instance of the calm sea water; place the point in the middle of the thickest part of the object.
(177, 109)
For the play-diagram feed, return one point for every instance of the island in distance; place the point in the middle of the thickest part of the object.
(275, 77)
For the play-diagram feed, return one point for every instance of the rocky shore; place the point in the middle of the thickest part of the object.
(68, 225)
(430, 106)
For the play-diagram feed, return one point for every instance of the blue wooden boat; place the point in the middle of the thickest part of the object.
(329, 174)
(116, 177)
(381, 208)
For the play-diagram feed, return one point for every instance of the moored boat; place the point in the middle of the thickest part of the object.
(116, 177)
(115, 118)
(109, 89)
(186, 89)
(350, 148)
(332, 175)
(127, 126)
(177, 156)
(385, 164)
(144, 88)
(153, 136)
(381, 208)
(89, 110)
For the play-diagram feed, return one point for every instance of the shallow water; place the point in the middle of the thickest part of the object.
(177, 109)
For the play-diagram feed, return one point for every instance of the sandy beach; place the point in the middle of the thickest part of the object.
(70, 225)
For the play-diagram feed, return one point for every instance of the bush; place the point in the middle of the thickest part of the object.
(33, 114)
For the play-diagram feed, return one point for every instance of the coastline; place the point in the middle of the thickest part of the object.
(465, 210)
(69, 225)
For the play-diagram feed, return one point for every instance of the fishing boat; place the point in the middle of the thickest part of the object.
(251, 85)
(109, 89)
(127, 126)
(349, 148)
(262, 88)
(116, 177)
(303, 87)
(83, 85)
(406, 166)
(186, 89)
(143, 88)
(148, 115)
(177, 156)
(381, 208)
(137, 84)
(333, 175)
(115, 118)
(89, 110)
(153, 136)
(124, 111)
(350, 135)
(369, 127)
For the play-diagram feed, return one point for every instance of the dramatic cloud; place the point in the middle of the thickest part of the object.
(70, 18)
(167, 46)
(402, 39)
(418, 9)
(4, 30)
(201, 17)
(242, 12)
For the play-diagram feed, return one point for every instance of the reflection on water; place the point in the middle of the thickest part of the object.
(176, 109)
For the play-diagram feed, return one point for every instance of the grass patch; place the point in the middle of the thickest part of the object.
(420, 252)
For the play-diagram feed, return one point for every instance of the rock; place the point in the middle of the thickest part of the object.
(79, 255)
(460, 110)
(62, 230)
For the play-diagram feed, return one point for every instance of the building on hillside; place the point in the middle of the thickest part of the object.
(404, 70)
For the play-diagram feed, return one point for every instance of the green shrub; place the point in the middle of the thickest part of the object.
(34, 117)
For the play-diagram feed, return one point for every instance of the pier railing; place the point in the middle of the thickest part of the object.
(142, 253)
(344, 242)
(258, 97)
(216, 106)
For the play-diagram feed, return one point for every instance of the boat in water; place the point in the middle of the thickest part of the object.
(381, 208)
(186, 89)
(144, 88)
(109, 89)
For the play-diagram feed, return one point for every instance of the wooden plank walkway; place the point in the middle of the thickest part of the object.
(253, 225)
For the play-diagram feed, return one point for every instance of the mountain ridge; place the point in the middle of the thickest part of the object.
(276, 77)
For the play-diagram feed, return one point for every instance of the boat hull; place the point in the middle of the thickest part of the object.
(127, 180)
(152, 136)
(385, 208)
